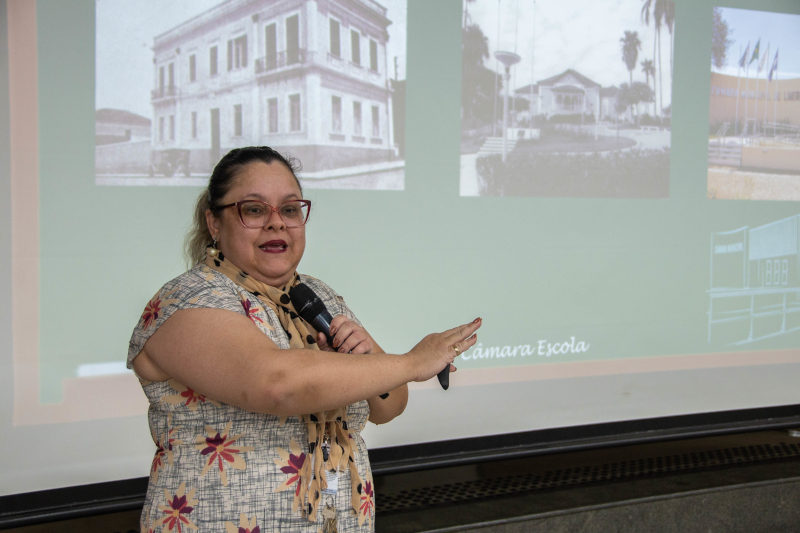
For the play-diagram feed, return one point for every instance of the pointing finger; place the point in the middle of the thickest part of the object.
(462, 332)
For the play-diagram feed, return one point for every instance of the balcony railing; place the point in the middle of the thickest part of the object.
(170, 91)
(299, 56)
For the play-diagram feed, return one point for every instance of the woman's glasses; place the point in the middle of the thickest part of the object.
(256, 214)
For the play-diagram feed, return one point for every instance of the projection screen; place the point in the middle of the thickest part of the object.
(616, 199)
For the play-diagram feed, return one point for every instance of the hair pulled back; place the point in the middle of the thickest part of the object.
(221, 181)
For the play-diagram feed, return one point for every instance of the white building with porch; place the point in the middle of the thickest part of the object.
(568, 93)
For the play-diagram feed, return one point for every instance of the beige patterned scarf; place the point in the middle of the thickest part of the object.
(324, 427)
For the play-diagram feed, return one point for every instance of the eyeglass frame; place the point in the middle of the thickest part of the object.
(272, 209)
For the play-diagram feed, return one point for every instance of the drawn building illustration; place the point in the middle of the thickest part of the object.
(755, 282)
(309, 77)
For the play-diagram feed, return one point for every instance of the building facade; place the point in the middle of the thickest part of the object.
(571, 93)
(568, 93)
(308, 77)
(763, 101)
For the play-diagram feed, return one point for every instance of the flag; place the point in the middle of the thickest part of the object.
(743, 60)
(774, 67)
(763, 60)
(755, 52)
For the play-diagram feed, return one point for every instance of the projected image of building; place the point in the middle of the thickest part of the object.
(754, 118)
(122, 141)
(569, 93)
(312, 79)
(755, 282)
(566, 107)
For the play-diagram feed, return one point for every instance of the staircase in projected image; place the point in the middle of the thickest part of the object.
(726, 155)
(494, 145)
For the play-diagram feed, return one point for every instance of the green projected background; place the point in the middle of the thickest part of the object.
(628, 278)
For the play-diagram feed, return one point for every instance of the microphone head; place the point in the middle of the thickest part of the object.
(306, 302)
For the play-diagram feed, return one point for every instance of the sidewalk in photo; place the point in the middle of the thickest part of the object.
(733, 184)
(388, 175)
(139, 180)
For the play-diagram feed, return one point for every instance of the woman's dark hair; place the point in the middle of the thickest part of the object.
(219, 184)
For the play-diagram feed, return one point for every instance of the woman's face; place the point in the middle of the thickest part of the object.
(269, 254)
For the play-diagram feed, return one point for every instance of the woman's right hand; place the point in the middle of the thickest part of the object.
(437, 350)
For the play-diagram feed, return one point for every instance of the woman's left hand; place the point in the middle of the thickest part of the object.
(348, 337)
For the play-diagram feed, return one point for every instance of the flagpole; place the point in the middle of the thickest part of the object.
(775, 115)
(533, 58)
(746, 94)
(766, 89)
(496, 72)
(755, 115)
(738, 75)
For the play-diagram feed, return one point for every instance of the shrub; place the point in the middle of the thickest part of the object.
(588, 118)
(628, 174)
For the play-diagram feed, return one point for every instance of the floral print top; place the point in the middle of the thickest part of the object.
(217, 467)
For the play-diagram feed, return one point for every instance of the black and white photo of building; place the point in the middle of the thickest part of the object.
(570, 99)
(316, 79)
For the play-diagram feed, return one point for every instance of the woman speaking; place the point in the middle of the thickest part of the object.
(255, 415)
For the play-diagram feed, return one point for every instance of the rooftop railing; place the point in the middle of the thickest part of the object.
(375, 6)
(287, 58)
(168, 91)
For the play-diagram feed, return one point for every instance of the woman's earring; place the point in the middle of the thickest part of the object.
(214, 244)
(213, 251)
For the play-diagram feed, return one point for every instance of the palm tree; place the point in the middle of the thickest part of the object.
(649, 70)
(630, 50)
(669, 20)
(662, 10)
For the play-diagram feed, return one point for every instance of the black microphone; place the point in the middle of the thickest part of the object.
(309, 306)
(312, 309)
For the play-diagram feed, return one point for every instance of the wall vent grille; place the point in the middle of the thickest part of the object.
(426, 497)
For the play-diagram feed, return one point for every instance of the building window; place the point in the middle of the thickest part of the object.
(194, 124)
(272, 115)
(373, 55)
(292, 40)
(357, 118)
(160, 128)
(171, 71)
(336, 45)
(237, 53)
(336, 114)
(355, 47)
(376, 121)
(172, 127)
(768, 275)
(294, 112)
(785, 273)
(161, 79)
(212, 61)
(271, 45)
(192, 68)
(237, 120)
